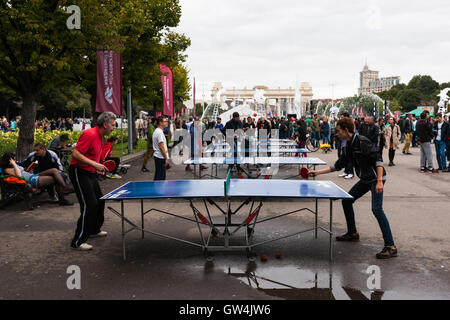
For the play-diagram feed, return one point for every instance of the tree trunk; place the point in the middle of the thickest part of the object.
(26, 125)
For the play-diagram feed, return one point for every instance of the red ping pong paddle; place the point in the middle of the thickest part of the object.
(167, 166)
(304, 173)
(110, 165)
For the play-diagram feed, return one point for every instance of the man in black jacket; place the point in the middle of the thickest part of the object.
(369, 168)
(231, 127)
(425, 135)
(408, 130)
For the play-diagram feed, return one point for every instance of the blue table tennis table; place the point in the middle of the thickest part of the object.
(258, 162)
(247, 193)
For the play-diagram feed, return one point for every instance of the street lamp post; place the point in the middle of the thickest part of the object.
(130, 123)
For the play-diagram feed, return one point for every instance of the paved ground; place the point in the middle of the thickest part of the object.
(35, 253)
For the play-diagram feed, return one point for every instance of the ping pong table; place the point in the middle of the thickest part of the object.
(227, 191)
(259, 162)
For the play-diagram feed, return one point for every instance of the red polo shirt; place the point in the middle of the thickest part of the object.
(90, 145)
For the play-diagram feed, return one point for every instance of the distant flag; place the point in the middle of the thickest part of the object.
(167, 86)
(109, 82)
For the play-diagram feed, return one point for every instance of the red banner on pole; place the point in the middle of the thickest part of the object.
(167, 85)
(109, 82)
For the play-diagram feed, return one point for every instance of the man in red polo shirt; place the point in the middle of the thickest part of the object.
(83, 170)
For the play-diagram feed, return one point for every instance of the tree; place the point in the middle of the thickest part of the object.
(425, 84)
(36, 48)
(445, 85)
(8, 102)
(410, 99)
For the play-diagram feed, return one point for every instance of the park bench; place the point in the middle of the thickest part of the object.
(13, 188)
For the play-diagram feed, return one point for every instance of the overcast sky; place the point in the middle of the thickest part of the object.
(285, 42)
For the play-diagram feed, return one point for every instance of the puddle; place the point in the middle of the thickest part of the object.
(295, 283)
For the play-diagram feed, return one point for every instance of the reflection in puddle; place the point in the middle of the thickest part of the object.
(292, 283)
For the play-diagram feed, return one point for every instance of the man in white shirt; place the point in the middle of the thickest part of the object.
(160, 146)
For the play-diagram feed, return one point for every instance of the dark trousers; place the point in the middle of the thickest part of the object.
(414, 139)
(391, 154)
(447, 144)
(117, 161)
(349, 167)
(358, 190)
(92, 208)
(339, 147)
(160, 169)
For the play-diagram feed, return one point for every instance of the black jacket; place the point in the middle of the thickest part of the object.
(372, 132)
(365, 157)
(407, 126)
(424, 131)
(445, 131)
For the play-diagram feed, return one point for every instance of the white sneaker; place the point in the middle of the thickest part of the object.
(98, 235)
(342, 174)
(116, 176)
(349, 176)
(84, 247)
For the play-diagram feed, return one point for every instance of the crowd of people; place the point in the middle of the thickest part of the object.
(359, 142)
(45, 124)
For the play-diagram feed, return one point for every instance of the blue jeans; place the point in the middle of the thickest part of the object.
(316, 138)
(440, 154)
(358, 190)
(325, 138)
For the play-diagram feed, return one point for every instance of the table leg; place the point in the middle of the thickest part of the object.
(316, 214)
(331, 229)
(142, 217)
(122, 212)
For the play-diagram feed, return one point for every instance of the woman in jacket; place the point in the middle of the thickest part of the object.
(392, 134)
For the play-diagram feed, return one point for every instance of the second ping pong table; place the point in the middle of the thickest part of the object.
(216, 192)
(214, 162)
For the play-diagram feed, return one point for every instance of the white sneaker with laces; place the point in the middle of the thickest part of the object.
(349, 176)
(342, 174)
(98, 235)
(84, 247)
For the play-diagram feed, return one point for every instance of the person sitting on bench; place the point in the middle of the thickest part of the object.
(46, 160)
(58, 143)
(43, 179)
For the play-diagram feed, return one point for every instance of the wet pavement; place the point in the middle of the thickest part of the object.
(35, 253)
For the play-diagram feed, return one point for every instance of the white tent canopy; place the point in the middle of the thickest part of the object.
(244, 110)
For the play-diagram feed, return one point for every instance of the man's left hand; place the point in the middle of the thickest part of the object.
(379, 187)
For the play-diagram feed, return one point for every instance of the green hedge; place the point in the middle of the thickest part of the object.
(8, 140)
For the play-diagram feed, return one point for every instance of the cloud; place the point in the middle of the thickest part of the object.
(246, 43)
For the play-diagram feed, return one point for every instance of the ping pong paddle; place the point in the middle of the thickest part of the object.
(110, 165)
(167, 166)
(304, 173)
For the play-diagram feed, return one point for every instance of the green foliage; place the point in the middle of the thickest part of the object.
(8, 140)
(425, 84)
(409, 99)
(421, 90)
(366, 102)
